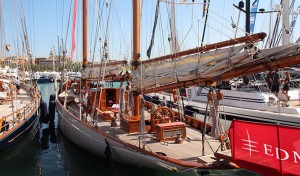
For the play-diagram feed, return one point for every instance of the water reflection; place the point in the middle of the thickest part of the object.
(22, 159)
(48, 135)
(79, 162)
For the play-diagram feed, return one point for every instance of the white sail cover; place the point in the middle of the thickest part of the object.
(204, 65)
(180, 69)
(105, 69)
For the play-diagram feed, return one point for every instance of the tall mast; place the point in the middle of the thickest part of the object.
(247, 17)
(174, 43)
(285, 22)
(85, 36)
(136, 49)
(175, 48)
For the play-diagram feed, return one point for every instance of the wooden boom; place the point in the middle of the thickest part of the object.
(249, 38)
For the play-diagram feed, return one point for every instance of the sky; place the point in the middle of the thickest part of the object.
(48, 24)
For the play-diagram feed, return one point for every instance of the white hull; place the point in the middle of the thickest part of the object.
(92, 140)
(247, 106)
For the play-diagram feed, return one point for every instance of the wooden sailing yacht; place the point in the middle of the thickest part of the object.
(115, 122)
(19, 113)
(19, 101)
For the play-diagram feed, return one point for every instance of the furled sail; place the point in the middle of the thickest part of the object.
(246, 57)
(184, 68)
(111, 69)
(215, 65)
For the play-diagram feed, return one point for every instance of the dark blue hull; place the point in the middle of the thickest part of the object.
(19, 134)
(44, 80)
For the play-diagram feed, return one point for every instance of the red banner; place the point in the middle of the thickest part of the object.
(73, 28)
(266, 149)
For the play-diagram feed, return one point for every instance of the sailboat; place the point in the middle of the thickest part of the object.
(19, 112)
(19, 101)
(114, 123)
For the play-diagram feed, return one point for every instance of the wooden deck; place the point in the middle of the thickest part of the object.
(19, 102)
(15, 112)
(294, 103)
(189, 150)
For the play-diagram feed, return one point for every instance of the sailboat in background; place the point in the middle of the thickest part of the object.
(248, 100)
(118, 124)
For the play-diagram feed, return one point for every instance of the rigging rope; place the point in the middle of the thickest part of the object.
(2, 30)
(153, 30)
(33, 25)
(103, 71)
(97, 32)
(206, 16)
(69, 19)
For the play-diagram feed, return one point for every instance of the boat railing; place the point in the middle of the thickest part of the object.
(294, 84)
(85, 118)
(4, 77)
(25, 86)
(9, 121)
(73, 111)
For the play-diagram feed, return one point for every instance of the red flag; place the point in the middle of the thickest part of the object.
(73, 28)
(266, 149)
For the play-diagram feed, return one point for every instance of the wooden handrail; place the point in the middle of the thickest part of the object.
(31, 106)
(19, 110)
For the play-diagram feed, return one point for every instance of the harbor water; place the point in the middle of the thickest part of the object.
(49, 153)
